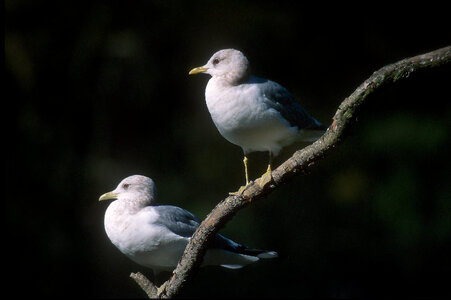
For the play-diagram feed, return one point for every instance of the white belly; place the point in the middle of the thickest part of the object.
(153, 246)
(248, 122)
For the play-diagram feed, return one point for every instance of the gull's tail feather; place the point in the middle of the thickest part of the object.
(312, 132)
(248, 256)
(232, 266)
(319, 126)
(310, 136)
(228, 254)
(256, 252)
(268, 254)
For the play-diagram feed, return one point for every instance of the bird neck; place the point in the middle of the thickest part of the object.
(234, 78)
(131, 206)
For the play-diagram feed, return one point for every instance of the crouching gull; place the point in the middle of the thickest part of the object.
(254, 113)
(155, 236)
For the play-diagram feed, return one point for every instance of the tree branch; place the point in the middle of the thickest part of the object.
(299, 162)
(146, 285)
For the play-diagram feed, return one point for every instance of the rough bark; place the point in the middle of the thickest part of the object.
(298, 163)
(146, 285)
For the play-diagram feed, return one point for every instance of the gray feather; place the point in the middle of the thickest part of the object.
(176, 219)
(282, 101)
(184, 223)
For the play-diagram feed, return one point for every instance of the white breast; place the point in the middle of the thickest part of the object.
(143, 241)
(247, 121)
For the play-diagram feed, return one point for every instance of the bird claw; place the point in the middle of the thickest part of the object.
(262, 182)
(265, 179)
(239, 192)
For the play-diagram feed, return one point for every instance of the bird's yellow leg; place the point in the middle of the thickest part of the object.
(242, 188)
(245, 169)
(267, 177)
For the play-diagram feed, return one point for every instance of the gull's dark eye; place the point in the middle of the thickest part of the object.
(125, 186)
(215, 61)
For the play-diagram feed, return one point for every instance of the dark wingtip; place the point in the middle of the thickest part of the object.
(323, 127)
(319, 126)
(256, 252)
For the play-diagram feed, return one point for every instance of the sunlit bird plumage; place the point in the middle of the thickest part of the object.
(254, 113)
(155, 236)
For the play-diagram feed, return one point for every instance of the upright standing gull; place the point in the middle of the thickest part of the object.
(254, 113)
(155, 236)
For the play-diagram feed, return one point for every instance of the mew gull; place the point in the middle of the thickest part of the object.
(254, 113)
(155, 236)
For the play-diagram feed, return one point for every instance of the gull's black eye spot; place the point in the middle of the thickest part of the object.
(125, 186)
(215, 61)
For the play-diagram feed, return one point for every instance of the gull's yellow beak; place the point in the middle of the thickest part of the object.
(108, 196)
(197, 70)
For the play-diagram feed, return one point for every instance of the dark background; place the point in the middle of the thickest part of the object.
(99, 90)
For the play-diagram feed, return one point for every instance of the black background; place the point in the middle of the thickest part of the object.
(99, 90)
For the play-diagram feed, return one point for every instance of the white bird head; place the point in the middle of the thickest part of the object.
(228, 64)
(136, 188)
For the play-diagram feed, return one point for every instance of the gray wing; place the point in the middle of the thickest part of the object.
(282, 101)
(176, 219)
(184, 223)
(222, 242)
